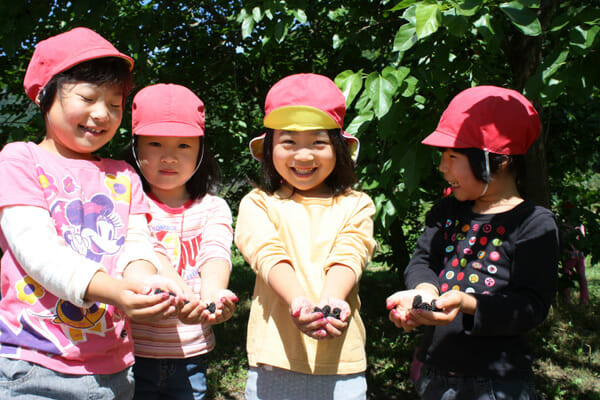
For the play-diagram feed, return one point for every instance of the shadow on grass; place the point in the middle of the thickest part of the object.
(567, 362)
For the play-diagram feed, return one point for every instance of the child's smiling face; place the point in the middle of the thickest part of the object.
(304, 159)
(167, 163)
(82, 118)
(457, 172)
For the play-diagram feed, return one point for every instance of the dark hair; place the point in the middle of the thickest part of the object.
(99, 71)
(205, 180)
(476, 157)
(339, 181)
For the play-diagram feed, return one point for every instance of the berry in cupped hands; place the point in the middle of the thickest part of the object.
(418, 303)
(327, 312)
(337, 313)
(159, 290)
(211, 307)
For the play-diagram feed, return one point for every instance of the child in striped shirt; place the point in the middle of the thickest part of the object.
(194, 228)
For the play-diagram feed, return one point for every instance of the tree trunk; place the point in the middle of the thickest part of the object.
(525, 56)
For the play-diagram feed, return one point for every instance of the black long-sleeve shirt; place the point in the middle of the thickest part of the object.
(508, 261)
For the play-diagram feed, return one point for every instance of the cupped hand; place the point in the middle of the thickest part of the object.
(335, 326)
(139, 302)
(400, 305)
(213, 310)
(308, 321)
(450, 303)
(225, 303)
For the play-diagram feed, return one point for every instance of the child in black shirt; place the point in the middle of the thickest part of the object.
(485, 265)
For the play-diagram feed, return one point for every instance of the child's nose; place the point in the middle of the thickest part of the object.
(100, 112)
(168, 157)
(304, 154)
(442, 167)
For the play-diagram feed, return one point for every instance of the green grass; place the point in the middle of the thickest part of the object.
(567, 352)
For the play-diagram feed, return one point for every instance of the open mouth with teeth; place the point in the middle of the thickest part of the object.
(91, 130)
(303, 171)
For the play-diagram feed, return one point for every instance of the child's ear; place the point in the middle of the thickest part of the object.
(505, 162)
(37, 99)
(505, 165)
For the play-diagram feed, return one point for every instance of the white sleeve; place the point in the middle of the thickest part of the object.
(138, 244)
(44, 255)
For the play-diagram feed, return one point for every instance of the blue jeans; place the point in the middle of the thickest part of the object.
(170, 378)
(22, 380)
(434, 384)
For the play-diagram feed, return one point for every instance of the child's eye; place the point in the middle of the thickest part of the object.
(154, 144)
(116, 105)
(184, 146)
(86, 99)
(288, 141)
(321, 142)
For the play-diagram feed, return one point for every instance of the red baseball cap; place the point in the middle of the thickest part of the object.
(303, 102)
(489, 118)
(167, 110)
(63, 51)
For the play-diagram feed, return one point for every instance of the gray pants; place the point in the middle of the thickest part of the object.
(271, 383)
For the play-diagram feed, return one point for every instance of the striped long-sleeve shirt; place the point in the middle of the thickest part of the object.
(199, 231)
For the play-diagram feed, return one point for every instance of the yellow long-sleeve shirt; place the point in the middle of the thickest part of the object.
(312, 234)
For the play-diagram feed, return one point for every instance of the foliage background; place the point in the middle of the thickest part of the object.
(398, 62)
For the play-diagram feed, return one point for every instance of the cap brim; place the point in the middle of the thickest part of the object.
(299, 118)
(256, 147)
(443, 139)
(169, 129)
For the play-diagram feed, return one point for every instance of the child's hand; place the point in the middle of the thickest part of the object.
(451, 303)
(196, 311)
(139, 302)
(336, 312)
(400, 306)
(191, 312)
(224, 307)
(309, 322)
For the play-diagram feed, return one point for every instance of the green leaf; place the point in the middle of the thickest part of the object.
(350, 84)
(300, 16)
(485, 28)
(380, 91)
(555, 65)
(411, 84)
(247, 27)
(410, 14)
(396, 76)
(582, 38)
(390, 124)
(403, 4)
(359, 123)
(457, 25)
(242, 15)
(336, 41)
(281, 30)
(405, 38)
(256, 14)
(428, 19)
(559, 22)
(468, 7)
(523, 18)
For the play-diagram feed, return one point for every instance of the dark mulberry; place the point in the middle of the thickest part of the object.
(211, 307)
